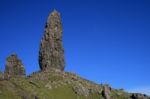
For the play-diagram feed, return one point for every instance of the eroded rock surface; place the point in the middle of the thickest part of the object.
(51, 54)
(14, 67)
(81, 90)
(106, 92)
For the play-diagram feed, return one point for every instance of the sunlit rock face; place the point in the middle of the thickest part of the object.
(14, 67)
(51, 54)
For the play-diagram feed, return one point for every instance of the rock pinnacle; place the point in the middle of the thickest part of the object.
(14, 67)
(51, 54)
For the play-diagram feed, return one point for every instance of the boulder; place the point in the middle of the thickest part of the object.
(81, 90)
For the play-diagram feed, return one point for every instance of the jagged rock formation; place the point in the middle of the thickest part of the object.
(14, 67)
(51, 54)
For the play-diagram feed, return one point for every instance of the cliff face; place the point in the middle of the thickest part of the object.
(14, 67)
(51, 54)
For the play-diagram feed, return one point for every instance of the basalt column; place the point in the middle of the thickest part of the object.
(51, 54)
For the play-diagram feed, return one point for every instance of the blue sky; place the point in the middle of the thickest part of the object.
(104, 41)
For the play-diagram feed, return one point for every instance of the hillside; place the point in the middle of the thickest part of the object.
(56, 84)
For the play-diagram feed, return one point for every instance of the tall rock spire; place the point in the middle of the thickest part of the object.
(51, 54)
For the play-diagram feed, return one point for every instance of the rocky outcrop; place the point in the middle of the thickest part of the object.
(51, 54)
(106, 93)
(139, 96)
(14, 67)
(81, 90)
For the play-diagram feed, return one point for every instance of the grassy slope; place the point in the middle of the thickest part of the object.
(23, 88)
(51, 85)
